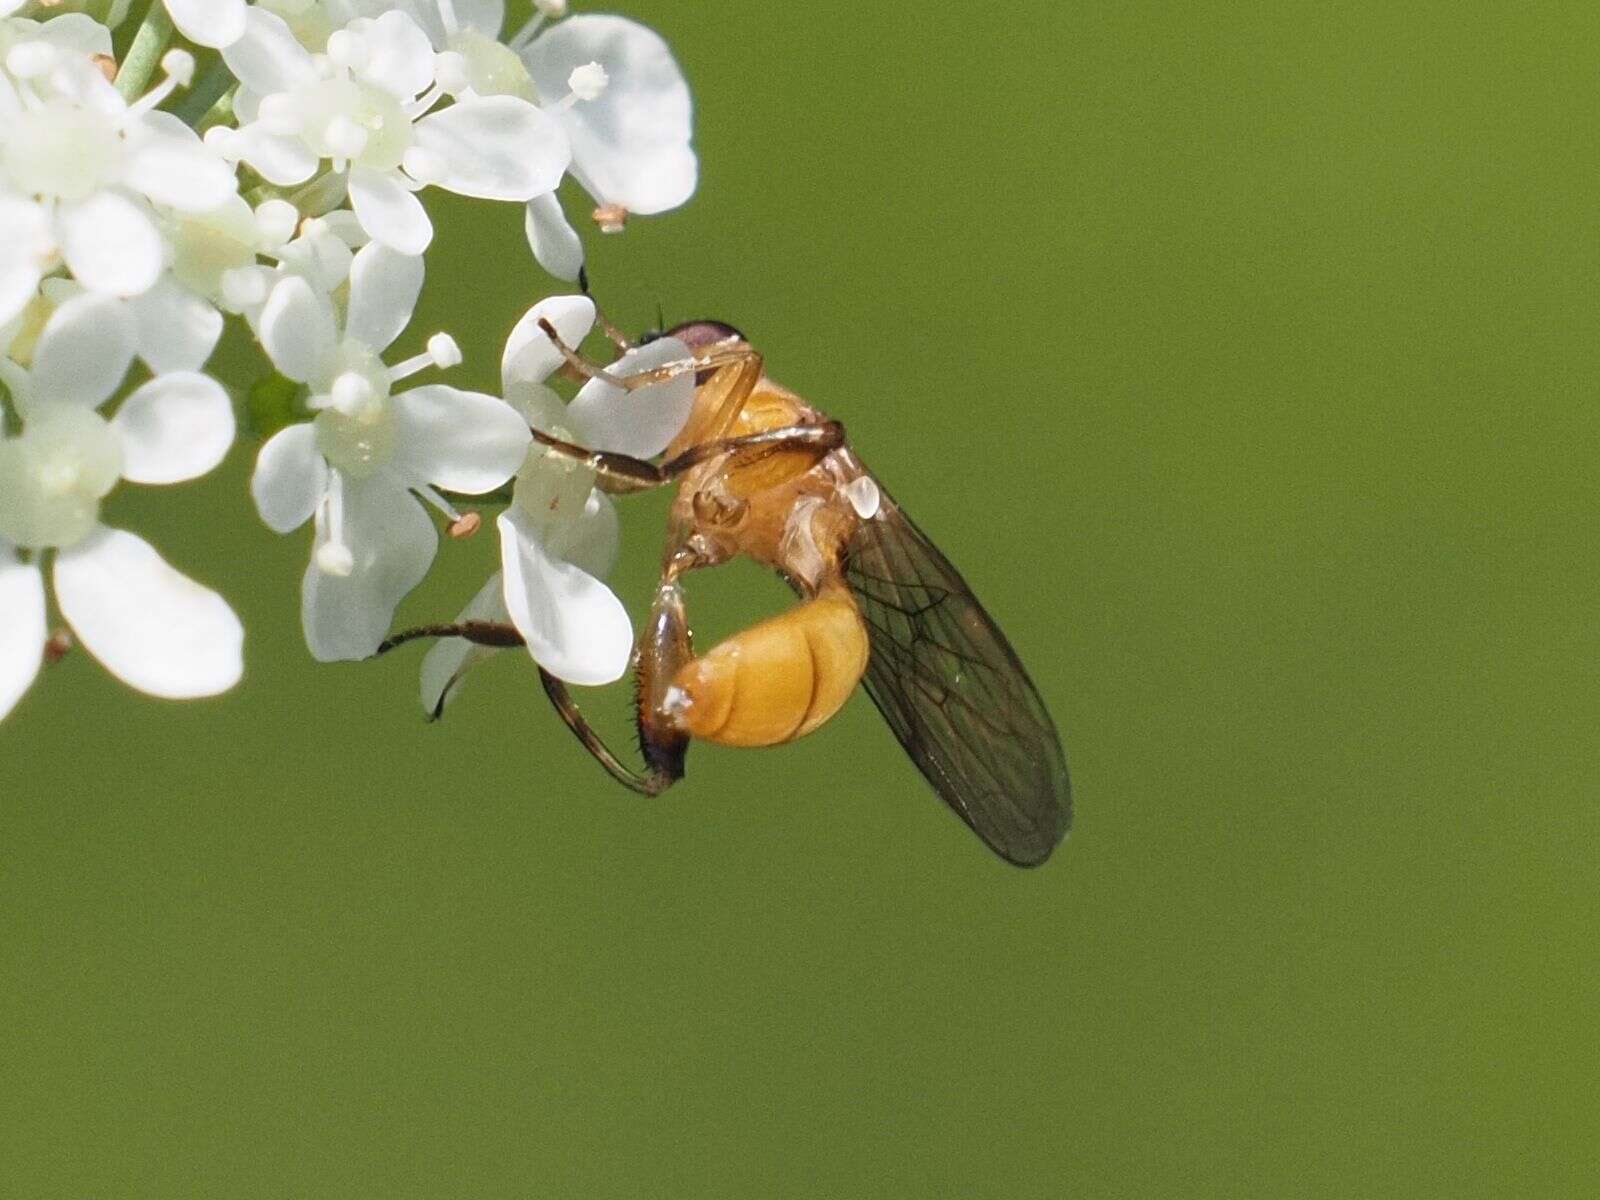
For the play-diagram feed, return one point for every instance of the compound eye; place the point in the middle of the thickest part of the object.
(699, 334)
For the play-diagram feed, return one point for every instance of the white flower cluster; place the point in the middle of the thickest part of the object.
(260, 165)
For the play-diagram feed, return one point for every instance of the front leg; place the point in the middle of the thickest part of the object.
(734, 353)
(622, 473)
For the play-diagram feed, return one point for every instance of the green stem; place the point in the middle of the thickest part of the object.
(220, 113)
(144, 56)
(199, 109)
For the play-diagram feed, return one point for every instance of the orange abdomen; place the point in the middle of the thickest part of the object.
(776, 681)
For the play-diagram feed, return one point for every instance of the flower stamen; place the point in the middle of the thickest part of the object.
(179, 68)
(442, 352)
(466, 525)
(58, 647)
(544, 10)
(427, 492)
(587, 82)
(333, 557)
(612, 218)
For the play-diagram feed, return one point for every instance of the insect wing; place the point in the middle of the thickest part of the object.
(951, 687)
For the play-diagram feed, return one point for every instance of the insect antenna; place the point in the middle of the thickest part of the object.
(618, 339)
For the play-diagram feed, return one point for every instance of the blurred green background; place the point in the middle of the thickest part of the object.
(1244, 357)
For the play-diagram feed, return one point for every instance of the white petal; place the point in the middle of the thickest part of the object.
(592, 540)
(389, 212)
(346, 227)
(460, 441)
(110, 244)
(575, 626)
(246, 105)
(384, 286)
(24, 253)
(530, 355)
(84, 351)
(537, 404)
(179, 170)
(393, 542)
(267, 57)
(631, 145)
(299, 331)
(290, 479)
(19, 283)
(153, 627)
(323, 258)
(400, 58)
(22, 628)
(83, 83)
(77, 32)
(554, 242)
(176, 427)
(494, 148)
(277, 157)
(450, 658)
(486, 16)
(177, 330)
(641, 422)
(214, 23)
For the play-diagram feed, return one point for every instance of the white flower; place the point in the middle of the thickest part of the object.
(72, 31)
(223, 259)
(314, 20)
(108, 13)
(151, 626)
(213, 23)
(215, 261)
(353, 465)
(624, 105)
(90, 166)
(559, 538)
(367, 105)
(446, 21)
(174, 330)
(27, 252)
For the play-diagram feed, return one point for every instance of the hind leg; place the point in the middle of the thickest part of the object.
(499, 635)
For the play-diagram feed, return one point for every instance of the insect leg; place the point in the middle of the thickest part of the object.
(656, 779)
(751, 448)
(494, 633)
(482, 633)
(736, 352)
(624, 473)
(662, 650)
(613, 334)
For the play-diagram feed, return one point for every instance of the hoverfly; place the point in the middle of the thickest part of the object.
(761, 473)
